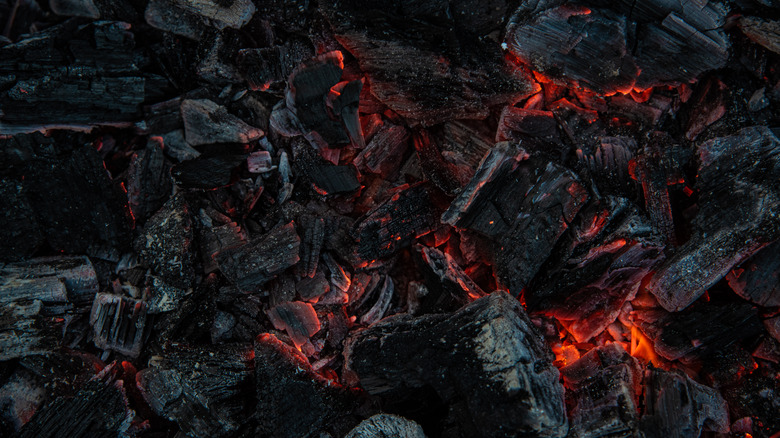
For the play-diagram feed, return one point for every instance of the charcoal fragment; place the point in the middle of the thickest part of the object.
(386, 425)
(297, 318)
(191, 18)
(758, 278)
(206, 122)
(119, 323)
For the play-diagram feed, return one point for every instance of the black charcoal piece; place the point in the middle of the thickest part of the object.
(386, 425)
(384, 152)
(206, 122)
(312, 288)
(177, 147)
(450, 288)
(297, 318)
(325, 177)
(49, 279)
(758, 279)
(486, 362)
(312, 232)
(148, 180)
(215, 238)
(678, 407)
(20, 233)
(208, 391)
(344, 100)
(435, 168)
(118, 323)
(25, 330)
(21, 395)
(259, 162)
(191, 18)
(738, 209)
(761, 31)
(252, 265)
(292, 400)
(207, 173)
(608, 162)
(519, 123)
(164, 297)
(166, 244)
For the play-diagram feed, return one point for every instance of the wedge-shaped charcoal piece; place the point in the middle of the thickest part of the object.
(700, 330)
(206, 390)
(344, 100)
(312, 288)
(604, 387)
(486, 362)
(191, 18)
(20, 233)
(339, 278)
(312, 232)
(207, 172)
(118, 323)
(25, 330)
(167, 243)
(206, 122)
(370, 296)
(386, 425)
(297, 318)
(423, 60)
(49, 279)
(738, 210)
(252, 265)
(383, 153)
(149, 180)
(758, 279)
(259, 162)
(292, 400)
(100, 408)
(394, 224)
(677, 407)
(325, 177)
(177, 147)
(448, 285)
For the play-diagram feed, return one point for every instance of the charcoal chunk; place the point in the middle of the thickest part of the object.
(25, 330)
(119, 323)
(386, 425)
(49, 279)
(758, 279)
(297, 318)
(486, 361)
(207, 172)
(206, 122)
(149, 181)
(325, 177)
(450, 288)
(191, 18)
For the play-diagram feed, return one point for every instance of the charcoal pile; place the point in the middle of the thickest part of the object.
(447, 218)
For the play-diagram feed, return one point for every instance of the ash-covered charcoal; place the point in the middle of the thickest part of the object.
(208, 391)
(698, 331)
(409, 213)
(148, 180)
(259, 162)
(386, 425)
(738, 209)
(206, 122)
(429, 61)
(604, 388)
(637, 46)
(756, 398)
(252, 265)
(118, 323)
(20, 233)
(383, 153)
(376, 298)
(486, 362)
(676, 406)
(758, 279)
(192, 18)
(292, 400)
(100, 408)
(166, 244)
(49, 279)
(450, 288)
(596, 267)
(164, 297)
(27, 330)
(325, 177)
(207, 172)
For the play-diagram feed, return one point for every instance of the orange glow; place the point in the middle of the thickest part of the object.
(565, 355)
(641, 347)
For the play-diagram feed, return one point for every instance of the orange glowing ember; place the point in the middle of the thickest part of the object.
(565, 355)
(641, 347)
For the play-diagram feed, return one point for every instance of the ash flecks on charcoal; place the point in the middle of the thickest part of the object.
(441, 218)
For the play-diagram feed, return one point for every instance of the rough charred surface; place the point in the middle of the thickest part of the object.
(435, 169)
(118, 323)
(325, 177)
(148, 181)
(738, 210)
(292, 400)
(607, 163)
(383, 153)
(206, 122)
(20, 233)
(699, 330)
(167, 243)
(252, 265)
(409, 213)
(426, 60)
(758, 279)
(603, 387)
(762, 31)
(676, 406)
(207, 172)
(596, 267)
(386, 425)
(297, 318)
(25, 330)
(638, 46)
(756, 397)
(312, 232)
(486, 362)
(49, 279)
(192, 18)
(449, 288)
(208, 390)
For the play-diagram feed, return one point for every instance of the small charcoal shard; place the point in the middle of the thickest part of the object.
(99, 409)
(325, 177)
(603, 387)
(758, 279)
(177, 147)
(596, 267)
(148, 180)
(678, 407)
(522, 203)
(207, 173)
(698, 331)
(386, 425)
(208, 390)
(738, 209)
(259, 162)
(206, 122)
(76, 202)
(298, 319)
(656, 43)
(20, 233)
(312, 288)
(118, 323)
(167, 243)
(486, 362)
(384, 152)
(292, 400)
(428, 62)
(312, 232)
(49, 279)
(395, 223)
(344, 101)
(192, 18)
(26, 330)
(450, 288)
(252, 265)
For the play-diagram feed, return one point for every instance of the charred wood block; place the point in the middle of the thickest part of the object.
(24, 330)
(677, 407)
(191, 18)
(214, 239)
(325, 177)
(441, 173)
(449, 287)
(312, 232)
(119, 323)
(762, 31)
(312, 288)
(738, 210)
(208, 391)
(252, 265)
(206, 122)
(603, 387)
(20, 233)
(149, 180)
(386, 425)
(608, 163)
(167, 243)
(487, 362)
(518, 123)
(297, 318)
(394, 224)
(758, 279)
(292, 400)
(383, 153)
(49, 279)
